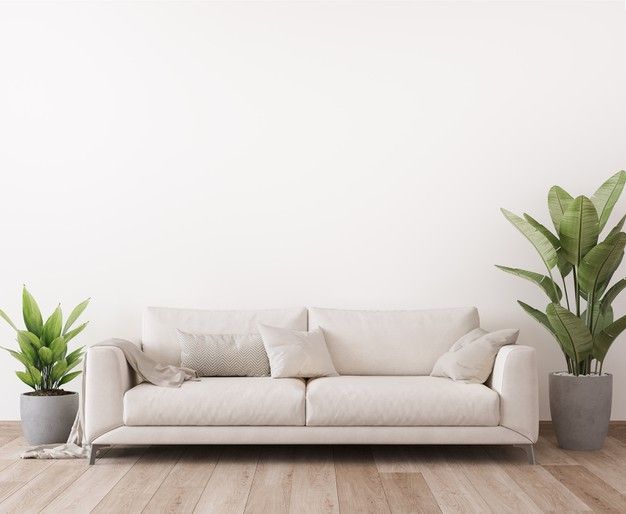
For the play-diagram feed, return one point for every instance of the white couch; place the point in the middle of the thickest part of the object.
(384, 394)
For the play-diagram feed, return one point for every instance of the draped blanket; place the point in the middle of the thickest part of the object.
(146, 369)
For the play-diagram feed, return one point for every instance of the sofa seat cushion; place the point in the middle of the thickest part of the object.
(399, 401)
(218, 401)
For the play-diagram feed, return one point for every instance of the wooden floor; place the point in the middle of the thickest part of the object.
(359, 479)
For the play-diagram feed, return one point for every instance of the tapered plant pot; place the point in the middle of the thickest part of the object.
(48, 419)
(581, 409)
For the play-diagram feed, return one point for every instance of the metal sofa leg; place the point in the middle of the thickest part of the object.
(93, 453)
(530, 452)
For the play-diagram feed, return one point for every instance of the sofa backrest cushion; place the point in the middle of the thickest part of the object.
(159, 337)
(391, 342)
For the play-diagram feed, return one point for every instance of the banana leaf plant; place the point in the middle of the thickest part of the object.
(43, 346)
(580, 318)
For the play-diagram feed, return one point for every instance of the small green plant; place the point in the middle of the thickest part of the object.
(584, 331)
(43, 346)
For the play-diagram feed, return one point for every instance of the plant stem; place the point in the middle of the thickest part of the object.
(576, 291)
(565, 291)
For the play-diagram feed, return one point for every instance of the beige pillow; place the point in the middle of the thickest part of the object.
(471, 358)
(296, 354)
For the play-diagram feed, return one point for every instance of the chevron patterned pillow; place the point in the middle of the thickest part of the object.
(224, 355)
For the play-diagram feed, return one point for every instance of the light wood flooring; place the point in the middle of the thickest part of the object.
(346, 479)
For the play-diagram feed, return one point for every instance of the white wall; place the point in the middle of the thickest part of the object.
(271, 155)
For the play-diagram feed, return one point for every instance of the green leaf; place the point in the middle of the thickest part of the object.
(538, 315)
(75, 355)
(565, 267)
(579, 229)
(541, 243)
(617, 228)
(72, 364)
(544, 282)
(600, 319)
(73, 333)
(23, 358)
(574, 335)
(601, 262)
(31, 338)
(606, 196)
(26, 346)
(605, 338)
(7, 319)
(58, 370)
(68, 377)
(558, 202)
(52, 328)
(31, 313)
(74, 315)
(26, 378)
(611, 294)
(35, 374)
(45, 354)
(58, 348)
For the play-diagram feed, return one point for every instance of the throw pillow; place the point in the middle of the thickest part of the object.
(471, 358)
(224, 355)
(296, 354)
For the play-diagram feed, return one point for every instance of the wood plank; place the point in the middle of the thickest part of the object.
(228, 488)
(396, 459)
(96, 482)
(359, 487)
(617, 430)
(45, 487)
(548, 452)
(608, 463)
(14, 448)
(133, 492)
(182, 488)
(271, 487)
(19, 474)
(449, 484)
(545, 490)
(314, 483)
(6, 436)
(408, 493)
(597, 494)
(498, 489)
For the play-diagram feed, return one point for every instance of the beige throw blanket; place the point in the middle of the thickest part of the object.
(147, 370)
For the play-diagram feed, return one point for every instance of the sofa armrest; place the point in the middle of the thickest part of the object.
(107, 378)
(514, 378)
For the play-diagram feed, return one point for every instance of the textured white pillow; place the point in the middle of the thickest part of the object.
(224, 355)
(296, 354)
(471, 358)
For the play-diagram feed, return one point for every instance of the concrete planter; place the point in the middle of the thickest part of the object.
(581, 409)
(48, 419)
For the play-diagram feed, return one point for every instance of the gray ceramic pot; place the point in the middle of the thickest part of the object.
(581, 409)
(48, 419)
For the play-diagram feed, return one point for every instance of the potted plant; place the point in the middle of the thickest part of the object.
(580, 318)
(48, 411)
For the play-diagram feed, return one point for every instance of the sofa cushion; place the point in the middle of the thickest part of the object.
(471, 358)
(159, 338)
(296, 353)
(218, 401)
(399, 401)
(390, 342)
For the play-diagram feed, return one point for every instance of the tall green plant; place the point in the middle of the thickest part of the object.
(43, 346)
(584, 327)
